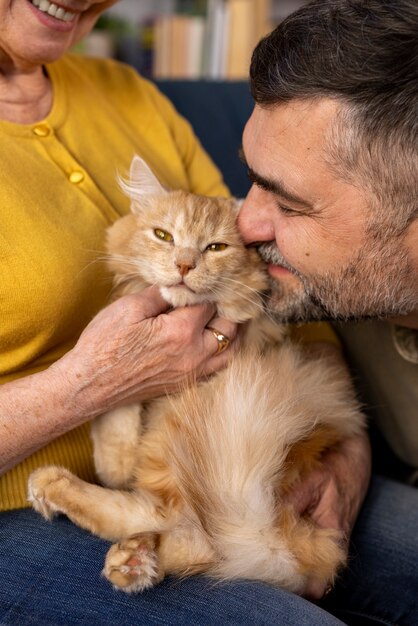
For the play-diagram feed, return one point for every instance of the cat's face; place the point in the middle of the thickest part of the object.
(189, 245)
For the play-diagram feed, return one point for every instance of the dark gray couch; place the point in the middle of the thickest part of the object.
(218, 112)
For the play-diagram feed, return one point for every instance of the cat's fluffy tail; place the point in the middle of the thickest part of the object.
(229, 459)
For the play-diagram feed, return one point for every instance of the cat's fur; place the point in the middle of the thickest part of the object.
(197, 479)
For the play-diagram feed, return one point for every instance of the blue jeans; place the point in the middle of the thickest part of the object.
(50, 575)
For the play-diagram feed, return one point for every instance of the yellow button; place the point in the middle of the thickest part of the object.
(41, 130)
(76, 177)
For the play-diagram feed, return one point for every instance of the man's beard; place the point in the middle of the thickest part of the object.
(377, 283)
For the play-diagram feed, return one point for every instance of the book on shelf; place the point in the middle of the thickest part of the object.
(214, 48)
(178, 46)
(215, 41)
(240, 38)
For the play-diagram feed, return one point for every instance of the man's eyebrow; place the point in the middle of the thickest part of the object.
(273, 186)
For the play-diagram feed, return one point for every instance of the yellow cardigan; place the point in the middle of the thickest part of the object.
(58, 194)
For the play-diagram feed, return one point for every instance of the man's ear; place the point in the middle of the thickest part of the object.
(142, 183)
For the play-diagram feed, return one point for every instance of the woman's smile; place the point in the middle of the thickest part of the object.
(53, 10)
(53, 16)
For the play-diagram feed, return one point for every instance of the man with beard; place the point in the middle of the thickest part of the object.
(331, 150)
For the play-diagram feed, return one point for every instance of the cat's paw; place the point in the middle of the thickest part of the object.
(40, 485)
(132, 565)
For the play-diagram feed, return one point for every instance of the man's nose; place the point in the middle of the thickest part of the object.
(255, 221)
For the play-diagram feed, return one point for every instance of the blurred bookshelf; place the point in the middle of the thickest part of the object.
(186, 39)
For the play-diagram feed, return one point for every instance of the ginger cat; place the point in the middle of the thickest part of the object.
(194, 482)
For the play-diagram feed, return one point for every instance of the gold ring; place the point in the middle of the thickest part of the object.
(223, 340)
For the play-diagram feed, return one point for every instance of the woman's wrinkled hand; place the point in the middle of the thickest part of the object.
(137, 348)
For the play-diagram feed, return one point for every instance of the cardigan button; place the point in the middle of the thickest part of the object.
(76, 177)
(41, 130)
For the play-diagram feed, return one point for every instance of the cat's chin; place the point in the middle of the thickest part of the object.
(181, 296)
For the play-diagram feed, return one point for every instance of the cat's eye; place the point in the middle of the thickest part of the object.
(163, 234)
(217, 247)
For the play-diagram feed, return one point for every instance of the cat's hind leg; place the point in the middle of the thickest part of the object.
(133, 564)
(110, 514)
(141, 561)
(115, 437)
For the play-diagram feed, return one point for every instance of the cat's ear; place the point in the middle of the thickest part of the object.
(235, 204)
(142, 182)
(238, 202)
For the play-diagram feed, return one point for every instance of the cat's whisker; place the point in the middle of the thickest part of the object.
(121, 258)
(220, 293)
(126, 277)
(87, 266)
(98, 254)
(98, 258)
(232, 280)
(225, 286)
(240, 283)
(107, 279)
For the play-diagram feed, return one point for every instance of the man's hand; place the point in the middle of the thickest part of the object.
(332, 495)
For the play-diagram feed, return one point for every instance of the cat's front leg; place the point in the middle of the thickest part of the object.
(115, 437)
(133, 564)
(108, 513)
(43, 485)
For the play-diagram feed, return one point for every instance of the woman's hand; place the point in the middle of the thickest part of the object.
(137, 348)
(134, 349)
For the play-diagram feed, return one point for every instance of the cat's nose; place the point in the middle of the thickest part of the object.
(184, 268)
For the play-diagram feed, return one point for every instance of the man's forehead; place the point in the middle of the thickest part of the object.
(306, 121)
(290, 139)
